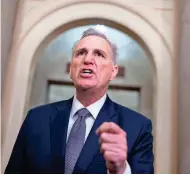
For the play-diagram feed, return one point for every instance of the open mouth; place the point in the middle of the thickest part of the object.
(87, 71)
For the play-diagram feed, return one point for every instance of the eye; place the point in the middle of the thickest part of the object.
(80, 53)
(99, 54)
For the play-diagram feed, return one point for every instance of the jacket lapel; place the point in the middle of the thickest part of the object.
(91, 146)
(58, 132)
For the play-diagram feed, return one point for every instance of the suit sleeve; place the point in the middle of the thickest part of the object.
(142, 157)
(17, 162)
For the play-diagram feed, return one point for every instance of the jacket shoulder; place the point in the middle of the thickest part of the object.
(127, 115)
(46, 111)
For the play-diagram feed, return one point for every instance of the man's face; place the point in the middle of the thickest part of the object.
(92, 66)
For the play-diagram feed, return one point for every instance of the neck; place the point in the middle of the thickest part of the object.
(87, 97)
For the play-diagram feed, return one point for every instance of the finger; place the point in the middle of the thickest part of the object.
(117, 148)
(114, 157)
(110, 127)
(109, 156)
(112, 138)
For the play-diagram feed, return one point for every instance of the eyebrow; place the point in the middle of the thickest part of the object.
(81, 49)
(101, 51)
(86, 50)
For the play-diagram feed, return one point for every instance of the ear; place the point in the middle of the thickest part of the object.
(114, 72)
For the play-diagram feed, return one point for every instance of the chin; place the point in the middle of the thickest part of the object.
(86, 86)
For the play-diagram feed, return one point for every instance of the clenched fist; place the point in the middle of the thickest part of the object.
(113, 146)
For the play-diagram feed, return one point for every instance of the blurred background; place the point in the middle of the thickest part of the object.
(153, 42)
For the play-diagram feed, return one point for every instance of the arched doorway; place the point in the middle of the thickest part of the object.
(23, 63)
(135, 80)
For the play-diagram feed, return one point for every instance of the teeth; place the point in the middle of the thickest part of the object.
(87, 71)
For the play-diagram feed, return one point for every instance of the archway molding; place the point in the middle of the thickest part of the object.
(23, 63)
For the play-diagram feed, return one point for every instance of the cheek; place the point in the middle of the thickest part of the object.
(73, 74)
(105, 71)
(74, 69)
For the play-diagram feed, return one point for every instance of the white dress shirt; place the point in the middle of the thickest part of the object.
(94, 109)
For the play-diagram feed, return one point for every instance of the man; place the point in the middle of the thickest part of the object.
(88, 133)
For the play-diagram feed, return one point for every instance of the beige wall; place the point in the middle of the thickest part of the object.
(33, 26)
(8, 10)
(8, 14)
(184, 88)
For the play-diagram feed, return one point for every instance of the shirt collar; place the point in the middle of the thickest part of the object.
(94, 108)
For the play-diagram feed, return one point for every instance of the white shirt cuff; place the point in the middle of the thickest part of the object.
(128, 169)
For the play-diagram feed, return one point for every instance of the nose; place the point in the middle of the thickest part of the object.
(89, 59)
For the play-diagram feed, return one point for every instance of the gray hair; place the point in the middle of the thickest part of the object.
(94, 32)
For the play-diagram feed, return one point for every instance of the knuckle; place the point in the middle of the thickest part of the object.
(103, 136)
(105, 124)
(103, 146)
(121, 156)
(124, 156)
(121, 139)
(124, 134)
(125, 149)
(116, 158)
(111, 124)
(106, 155)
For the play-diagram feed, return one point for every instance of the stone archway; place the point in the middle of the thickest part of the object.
(22, 64)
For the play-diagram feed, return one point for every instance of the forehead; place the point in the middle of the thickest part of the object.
(94, 42)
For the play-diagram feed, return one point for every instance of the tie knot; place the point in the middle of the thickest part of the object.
(83, 113)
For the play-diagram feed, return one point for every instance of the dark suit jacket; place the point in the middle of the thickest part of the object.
(40, 146)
